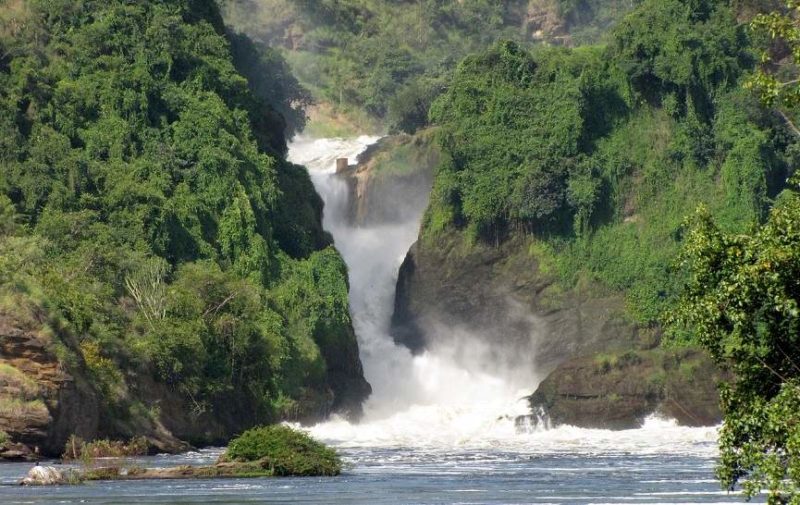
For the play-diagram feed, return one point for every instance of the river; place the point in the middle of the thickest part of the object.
(440, 427)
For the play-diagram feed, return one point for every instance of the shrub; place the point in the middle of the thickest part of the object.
(76, 448)
(288, 451)
(12, 376)
(19, 408)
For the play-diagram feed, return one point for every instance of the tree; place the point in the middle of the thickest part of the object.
(147, 208)
(742, 303)
(777, 83)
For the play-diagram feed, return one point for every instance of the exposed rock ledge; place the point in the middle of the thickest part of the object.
(391, 180)
(44, 399)
(51, 476)
(618, 391)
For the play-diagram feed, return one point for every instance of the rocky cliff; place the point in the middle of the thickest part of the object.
(391, 181)
(599, 369)
(47, 394)
(502, 294)
(42, 400)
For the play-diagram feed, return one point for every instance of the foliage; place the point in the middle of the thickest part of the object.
(742, 303)
(78, 449)
(146, 208)
(774, 80)
(18, 408)
(392, 59)
(507, 122)
(288, 451)
(270, 79)
(600, 152)
(24, 386)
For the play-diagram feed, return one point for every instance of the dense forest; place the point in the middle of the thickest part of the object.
(602, 151)
(388, 60)
(150, 223)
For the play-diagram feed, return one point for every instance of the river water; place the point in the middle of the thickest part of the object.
(440, 427)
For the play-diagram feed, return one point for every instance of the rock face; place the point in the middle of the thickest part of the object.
(503, 296)
(619, 390)
(602, 371)
(544, 22)
(42, 400)
(392, 179)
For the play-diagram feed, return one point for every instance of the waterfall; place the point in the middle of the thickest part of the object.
(448, 397)
(444, 395)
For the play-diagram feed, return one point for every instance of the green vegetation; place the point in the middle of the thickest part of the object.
(742, 303)
(776, 78)
(391, 59)
(326, 121)
(19, 408)
(288, 451)
(77, 449)
(14, 378)
(147, 211)
(600, 152)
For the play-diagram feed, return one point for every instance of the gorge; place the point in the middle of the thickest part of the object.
(441, 425)
(530, 251)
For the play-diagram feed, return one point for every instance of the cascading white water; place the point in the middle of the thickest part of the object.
(445, 398)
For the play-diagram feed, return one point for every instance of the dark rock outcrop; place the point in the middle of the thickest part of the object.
(391, 180)
(619, 391)
(606, 371)
(503, 295)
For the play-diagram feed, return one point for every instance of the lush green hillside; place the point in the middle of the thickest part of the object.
(391, 59)
(600, 152)
(147, 210)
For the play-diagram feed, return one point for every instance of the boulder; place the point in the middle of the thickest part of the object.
(391, 180)
(619, 390)
(44, 476)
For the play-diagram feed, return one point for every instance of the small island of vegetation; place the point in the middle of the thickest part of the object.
(266, 451)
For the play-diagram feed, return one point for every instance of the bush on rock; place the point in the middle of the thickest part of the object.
(288, 451)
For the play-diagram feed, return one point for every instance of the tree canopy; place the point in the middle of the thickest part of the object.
(392, 59)
(148, 209)
(742, 303)
(600, 151)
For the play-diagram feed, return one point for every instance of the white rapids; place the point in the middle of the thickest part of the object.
(444, 399)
